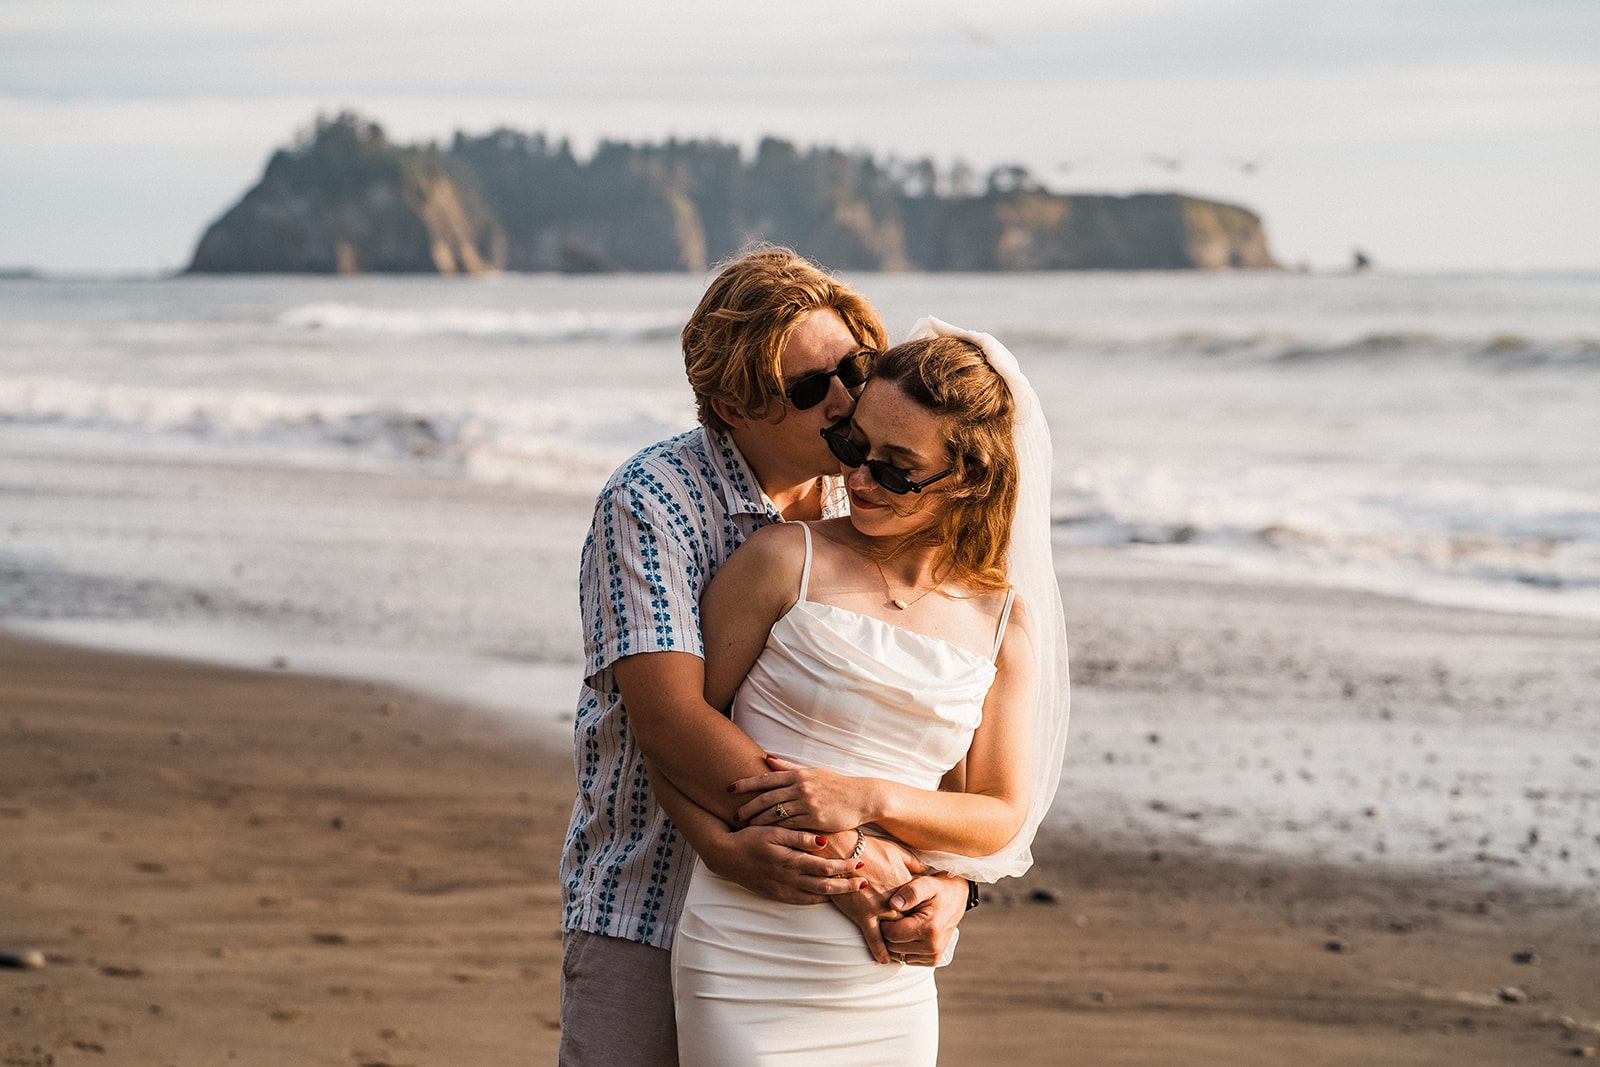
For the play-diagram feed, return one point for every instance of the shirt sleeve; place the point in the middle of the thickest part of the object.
(643, 569)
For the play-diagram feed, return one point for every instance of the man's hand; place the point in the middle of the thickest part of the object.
(886, 867)
(932, 905)
(781, 864)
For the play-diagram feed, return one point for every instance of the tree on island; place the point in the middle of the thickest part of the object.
(343, 198)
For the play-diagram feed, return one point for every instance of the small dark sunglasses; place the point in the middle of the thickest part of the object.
(887, 475)
(812, 390)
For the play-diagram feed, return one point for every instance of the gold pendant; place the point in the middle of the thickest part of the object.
(897, 602)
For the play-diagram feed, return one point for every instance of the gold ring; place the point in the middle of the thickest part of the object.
(780, 813)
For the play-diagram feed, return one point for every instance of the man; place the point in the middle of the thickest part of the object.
(774, 352)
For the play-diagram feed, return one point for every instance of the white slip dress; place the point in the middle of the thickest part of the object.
(758, 982)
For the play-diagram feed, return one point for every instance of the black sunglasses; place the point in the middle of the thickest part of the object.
(812, 389)
(887, 475)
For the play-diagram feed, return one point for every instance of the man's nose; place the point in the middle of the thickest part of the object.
(839, 403)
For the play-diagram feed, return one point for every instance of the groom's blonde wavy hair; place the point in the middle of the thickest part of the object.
(951, 377)
(733, 343)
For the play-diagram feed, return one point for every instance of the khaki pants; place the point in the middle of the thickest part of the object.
(616, 1003)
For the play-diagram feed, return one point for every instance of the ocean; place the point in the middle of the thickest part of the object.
(390, 476)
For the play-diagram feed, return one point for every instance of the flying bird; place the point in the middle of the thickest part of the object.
(1248, 167)
(976, 36)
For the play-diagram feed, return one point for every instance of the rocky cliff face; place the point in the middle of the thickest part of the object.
(348, 202)
(345, 200)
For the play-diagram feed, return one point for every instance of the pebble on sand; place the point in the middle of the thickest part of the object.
(25, 959)
(1526, 955)
(1511, 995)
(1335, 945)
(1045, 895)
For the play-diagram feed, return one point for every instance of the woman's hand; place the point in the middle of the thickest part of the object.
(805, 797)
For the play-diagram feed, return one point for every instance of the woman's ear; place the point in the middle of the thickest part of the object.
(974, 475)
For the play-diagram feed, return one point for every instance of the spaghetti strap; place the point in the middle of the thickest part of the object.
(1005, 616)
(805, 572)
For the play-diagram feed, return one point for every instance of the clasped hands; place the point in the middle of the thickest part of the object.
(905, 912)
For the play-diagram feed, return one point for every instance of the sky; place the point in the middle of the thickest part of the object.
(1431, 134)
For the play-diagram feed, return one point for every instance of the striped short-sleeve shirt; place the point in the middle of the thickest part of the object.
(663, 525)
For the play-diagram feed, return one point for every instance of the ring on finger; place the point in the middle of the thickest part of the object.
(779, 813)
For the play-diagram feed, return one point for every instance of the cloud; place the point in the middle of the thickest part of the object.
(1345, 96)
(642, 49)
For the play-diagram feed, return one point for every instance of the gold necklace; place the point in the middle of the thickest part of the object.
(897, 601)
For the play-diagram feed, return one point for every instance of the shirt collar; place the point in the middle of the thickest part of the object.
(739, 486)
(744, 494)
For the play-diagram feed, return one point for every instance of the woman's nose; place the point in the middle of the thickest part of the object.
(858, 478)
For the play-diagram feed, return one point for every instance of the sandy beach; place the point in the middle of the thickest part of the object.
(224, 866)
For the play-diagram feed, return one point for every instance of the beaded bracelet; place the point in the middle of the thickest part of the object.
(861, 843)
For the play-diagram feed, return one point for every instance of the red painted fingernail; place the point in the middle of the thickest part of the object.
(860, 864)
(863, 885)
(730, 788)
(822, 840)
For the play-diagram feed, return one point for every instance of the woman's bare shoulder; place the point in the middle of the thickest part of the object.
(775, 541)
(1017, 644)
(774, 554)
(1020, 612)
(762, 574)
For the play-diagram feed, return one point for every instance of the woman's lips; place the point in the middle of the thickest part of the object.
(861, 503)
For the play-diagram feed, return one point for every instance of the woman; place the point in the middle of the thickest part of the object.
(906, 671)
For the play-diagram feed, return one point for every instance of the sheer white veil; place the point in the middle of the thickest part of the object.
(1031, 570)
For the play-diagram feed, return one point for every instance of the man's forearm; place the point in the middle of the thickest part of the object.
(704, 830)
(695, 746)
(700, 752)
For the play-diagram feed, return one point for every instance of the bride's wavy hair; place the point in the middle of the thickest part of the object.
(950, 377)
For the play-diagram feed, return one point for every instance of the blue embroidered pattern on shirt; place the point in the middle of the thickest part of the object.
(665, 521)
(663, 524)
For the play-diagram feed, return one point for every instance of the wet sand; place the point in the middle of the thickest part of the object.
(223, 866)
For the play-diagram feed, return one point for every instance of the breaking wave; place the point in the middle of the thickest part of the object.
(542, 327)
(545, 444)
(1517, 548)
(1491, 352)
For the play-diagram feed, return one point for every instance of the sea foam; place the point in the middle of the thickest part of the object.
(544, 327)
